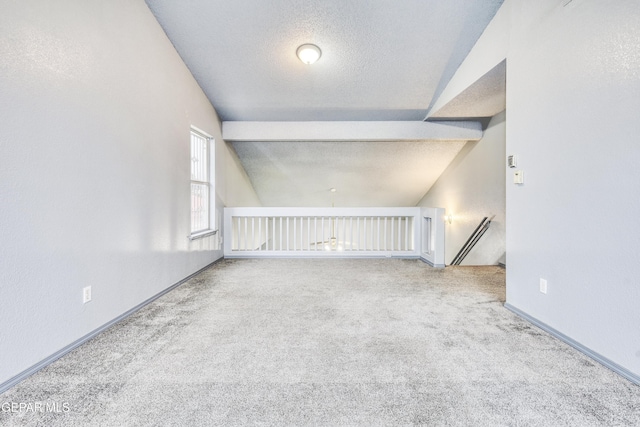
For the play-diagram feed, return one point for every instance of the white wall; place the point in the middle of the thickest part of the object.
(96, 107)
(472, 187)
(233, 185)
(573, 97)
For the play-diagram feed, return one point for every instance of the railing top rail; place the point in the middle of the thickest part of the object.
(323, 211)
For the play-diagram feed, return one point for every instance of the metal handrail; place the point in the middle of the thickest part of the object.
(472, 240)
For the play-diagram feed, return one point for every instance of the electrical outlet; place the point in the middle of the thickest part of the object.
(543, 285)
(86, 294)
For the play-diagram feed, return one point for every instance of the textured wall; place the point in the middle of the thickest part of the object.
(94, 170)
(573, 96)
(472, 187)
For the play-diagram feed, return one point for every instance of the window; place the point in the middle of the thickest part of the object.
(201, 185)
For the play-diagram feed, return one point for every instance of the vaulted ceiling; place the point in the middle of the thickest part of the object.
(381, 61)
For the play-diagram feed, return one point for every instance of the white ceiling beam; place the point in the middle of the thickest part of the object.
(352, 131)
(489, 51)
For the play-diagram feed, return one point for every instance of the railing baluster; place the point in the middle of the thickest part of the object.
(239, 232)
(364, 234)
(234, 228)
(351, 233)
(246, 228)
(392, 236)
(253, 233)
(373, 234)
(406, 233)
(385, 220)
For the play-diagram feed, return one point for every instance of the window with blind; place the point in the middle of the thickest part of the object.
(200, 183)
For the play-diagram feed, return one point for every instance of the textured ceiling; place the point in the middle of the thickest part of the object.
(380, 173)
(381, 61)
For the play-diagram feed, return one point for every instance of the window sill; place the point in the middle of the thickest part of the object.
(201, 234)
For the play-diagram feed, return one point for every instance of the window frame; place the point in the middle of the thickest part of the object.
(208, 182)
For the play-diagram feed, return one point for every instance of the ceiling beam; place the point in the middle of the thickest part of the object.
(488, 52)
(484, 98)
(352, 131)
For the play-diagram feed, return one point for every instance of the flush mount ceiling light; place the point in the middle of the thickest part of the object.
(309, 53)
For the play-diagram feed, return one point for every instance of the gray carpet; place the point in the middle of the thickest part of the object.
(328, 342)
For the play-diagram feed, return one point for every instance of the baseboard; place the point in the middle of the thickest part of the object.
(312, 256)
(57, 355)
(573, 343)
(426, 261)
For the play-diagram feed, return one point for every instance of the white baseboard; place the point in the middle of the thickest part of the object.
(573, 343)
(58, 354)
(426, 261)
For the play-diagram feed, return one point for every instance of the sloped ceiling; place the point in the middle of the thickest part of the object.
(484, 98)
(381, 61)
(390, 173)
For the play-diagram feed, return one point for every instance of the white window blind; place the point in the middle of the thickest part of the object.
(200, 183)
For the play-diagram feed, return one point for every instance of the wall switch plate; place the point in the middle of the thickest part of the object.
(86, 294)
(543, 285)
(518, 177)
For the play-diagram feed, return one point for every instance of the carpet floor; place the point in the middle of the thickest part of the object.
(327, 342)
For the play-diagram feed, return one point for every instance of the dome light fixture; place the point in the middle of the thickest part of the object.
(309, 53)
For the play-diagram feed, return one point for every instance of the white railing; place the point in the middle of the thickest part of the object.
(432, 233)
(326, 232)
